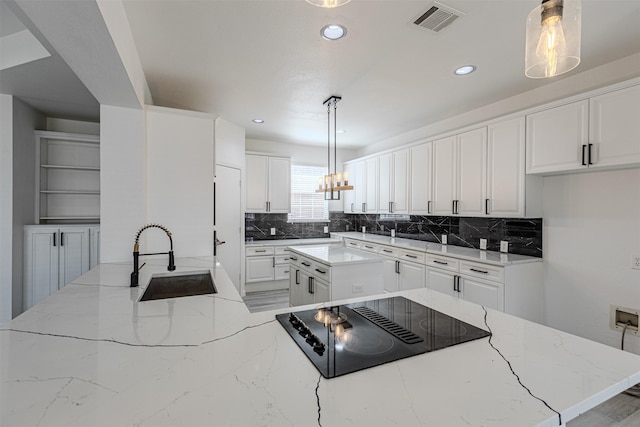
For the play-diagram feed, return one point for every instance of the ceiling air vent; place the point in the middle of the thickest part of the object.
(437, 17)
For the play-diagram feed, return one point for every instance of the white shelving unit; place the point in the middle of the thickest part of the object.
(68, 178)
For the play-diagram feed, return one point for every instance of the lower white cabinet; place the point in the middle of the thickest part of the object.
(266, 268)
(55, 256)
(515, 288)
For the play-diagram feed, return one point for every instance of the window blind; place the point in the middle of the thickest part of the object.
(306, 204)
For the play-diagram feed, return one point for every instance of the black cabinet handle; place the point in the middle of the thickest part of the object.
(583, 147)
(306, 264)
(411, 256)
(387, 251)
(261, 250)
(274, 261)
(440, 262)
(293, 258)
(297, 277)
(456, 283)
(61, 239)
(589, 162)
(364, 207)
(397, 267)
(311, 290)
(479, 271)
(321, 271)
(351, 207)
(429, 207)
(54, 239)
(453, 207)
(368, 247)
(486, 206)
(286, 272)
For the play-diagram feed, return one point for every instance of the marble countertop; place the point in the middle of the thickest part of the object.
(470, 254)
(335, 255)
(92, 355)
(290, 242)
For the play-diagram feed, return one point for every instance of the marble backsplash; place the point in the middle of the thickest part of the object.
(524, 235)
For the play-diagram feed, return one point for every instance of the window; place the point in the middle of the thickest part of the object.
(306, 204)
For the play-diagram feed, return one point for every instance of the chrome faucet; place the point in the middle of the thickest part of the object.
(137, 254)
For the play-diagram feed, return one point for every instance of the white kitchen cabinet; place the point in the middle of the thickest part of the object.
(614, 128)
(402, 269)
(266, 268)
(460, 174)
(371, 188)
(420, 171)
(348, 197)
(359, 186)
(68, 178)
(557, 138)
(393, 184)
(510, 192)
(596, 133)
(268, 184)
(94, 249)
(54, 257)
(483, 292)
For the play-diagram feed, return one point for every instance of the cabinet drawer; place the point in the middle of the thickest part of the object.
(282, 250)
(281, 272)
(413, 256)
(389, 251)
(369, 247)
(259, 251)
(304, 264)
(352, 243)
(281, 259)
(443, 262)
(482, 271)
(321, 271)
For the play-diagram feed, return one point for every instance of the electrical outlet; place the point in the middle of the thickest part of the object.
(620, 317)
(504, 246)
(273, 231)
(483, 244)
(364, 230)
(635, 261)
(444, 239)
(393, 232)
(326, 229)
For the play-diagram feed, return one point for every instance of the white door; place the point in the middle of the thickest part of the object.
(505, 169)
(279, 185)
(385, 169)
(259, 269)
(389, 271)
(483, 292)
(371, 196)
(359, 184)
(348, 200)
(412, 276)
(444, 173)
(228, 216)
(441, 281)
(420, 182)
(40, 264)
(472, 172)
(400, 189)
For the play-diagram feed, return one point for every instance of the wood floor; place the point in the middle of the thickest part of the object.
(620, 411)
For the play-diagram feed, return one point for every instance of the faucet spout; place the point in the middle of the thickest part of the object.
(137, 254)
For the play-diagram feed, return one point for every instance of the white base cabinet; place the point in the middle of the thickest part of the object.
(515, 288)
(266, 268)
(403, 269)
(55, 256)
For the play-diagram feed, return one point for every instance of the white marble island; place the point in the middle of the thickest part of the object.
(92, 355)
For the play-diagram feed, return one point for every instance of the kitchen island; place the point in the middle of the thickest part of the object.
(91, 354)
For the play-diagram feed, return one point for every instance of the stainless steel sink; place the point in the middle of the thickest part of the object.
(182, 284)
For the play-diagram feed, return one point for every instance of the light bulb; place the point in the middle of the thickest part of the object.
(552, 44)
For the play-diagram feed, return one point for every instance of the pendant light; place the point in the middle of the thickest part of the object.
(553, 38)
(328, 3)
(332, 183)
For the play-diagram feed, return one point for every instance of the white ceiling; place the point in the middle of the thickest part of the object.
(245, 59)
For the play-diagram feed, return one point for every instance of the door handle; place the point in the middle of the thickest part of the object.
(321, 271)
(274, 261)
(440, 262)
(306, 264)
(397, 267)
(479, 271)
(293, 258)
(61, 238)
(486, 206)
(311, 290)
(453, 207)
(297, 277)
(589, 162)
(364, 207)
(583, 147)
(429, 207)
(54, 238)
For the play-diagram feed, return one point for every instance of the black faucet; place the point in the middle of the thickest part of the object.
(137, 254)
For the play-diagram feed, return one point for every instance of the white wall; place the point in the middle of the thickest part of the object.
(6, 206)
(591, 226)
(613, 72)
(180, 167)
(309, 154)
(229, 143)
(122, 181)
(25, 121)
(72, 126)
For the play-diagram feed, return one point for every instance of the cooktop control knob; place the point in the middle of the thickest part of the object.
(319, 347)
(312, 339)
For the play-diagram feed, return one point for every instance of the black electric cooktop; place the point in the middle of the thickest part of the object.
(347, 338)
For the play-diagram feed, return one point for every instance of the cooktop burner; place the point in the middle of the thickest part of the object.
(347, 338)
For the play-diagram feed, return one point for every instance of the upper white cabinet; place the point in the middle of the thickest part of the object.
(510, 193)
(460, 174)
(614, 128)
(68, 178)
(393, 192)
(600, 132)
(370, 197)
(420, 182)
(268, 184)
(348, 197)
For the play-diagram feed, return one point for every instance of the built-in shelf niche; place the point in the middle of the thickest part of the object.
(68, 178)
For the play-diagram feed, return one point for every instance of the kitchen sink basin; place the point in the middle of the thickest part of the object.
(182, 284)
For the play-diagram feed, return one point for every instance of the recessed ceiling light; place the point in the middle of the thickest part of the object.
(465, 69)
(257, 121)
(333, 32)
